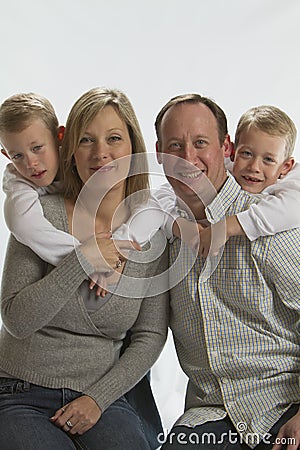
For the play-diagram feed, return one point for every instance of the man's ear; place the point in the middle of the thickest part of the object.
(158, 153)
(286, 167)
(4, 153)
(227, 146)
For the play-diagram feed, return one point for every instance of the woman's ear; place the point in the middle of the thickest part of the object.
(4, 153)
(286, 167)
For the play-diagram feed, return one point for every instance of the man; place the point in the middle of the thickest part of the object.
(235, 332)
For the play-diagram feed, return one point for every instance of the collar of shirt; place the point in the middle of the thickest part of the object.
(216, 210)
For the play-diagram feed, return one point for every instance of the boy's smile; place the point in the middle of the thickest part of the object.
(260, 160)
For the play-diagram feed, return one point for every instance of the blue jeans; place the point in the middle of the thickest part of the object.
(25, 410)
(220, 435)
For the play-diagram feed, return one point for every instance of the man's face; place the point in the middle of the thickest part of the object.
(189, 134)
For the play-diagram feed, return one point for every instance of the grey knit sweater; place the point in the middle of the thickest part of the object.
(49, 339)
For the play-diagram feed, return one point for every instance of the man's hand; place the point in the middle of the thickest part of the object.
(291, 429)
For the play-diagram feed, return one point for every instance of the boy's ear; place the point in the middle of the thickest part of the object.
(158, 153)
(228, 146)
(286, 167)
(60, 133)
(4, 153)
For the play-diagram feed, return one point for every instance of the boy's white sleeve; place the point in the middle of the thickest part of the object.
(279, 209)
(166, 198)
(158, 213)
(25, 219)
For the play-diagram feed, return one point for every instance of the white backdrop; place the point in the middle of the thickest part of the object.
(240, 53)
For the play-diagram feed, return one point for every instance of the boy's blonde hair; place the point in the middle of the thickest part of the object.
(270, 120)
(82, 113)
(19, 110)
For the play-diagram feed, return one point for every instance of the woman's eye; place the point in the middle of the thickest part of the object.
(114, 138)
(85, 140)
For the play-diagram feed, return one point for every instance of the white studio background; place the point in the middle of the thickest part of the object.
(240, 53)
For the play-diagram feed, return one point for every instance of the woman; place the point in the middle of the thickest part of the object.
(60, 347)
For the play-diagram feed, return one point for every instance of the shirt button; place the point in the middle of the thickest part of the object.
(224, 380)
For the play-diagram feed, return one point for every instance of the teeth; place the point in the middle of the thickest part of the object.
(189, 174)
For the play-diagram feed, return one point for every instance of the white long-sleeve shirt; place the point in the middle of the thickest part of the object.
(278, 210)
(24, 218)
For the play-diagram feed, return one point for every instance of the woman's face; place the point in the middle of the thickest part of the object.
(104, 142)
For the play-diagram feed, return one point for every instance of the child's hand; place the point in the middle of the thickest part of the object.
(188, 232)
(99, 279)
(212, 239)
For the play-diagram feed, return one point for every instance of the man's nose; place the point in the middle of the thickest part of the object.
(190, 153)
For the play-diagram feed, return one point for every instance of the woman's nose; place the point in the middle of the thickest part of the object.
(100, 150)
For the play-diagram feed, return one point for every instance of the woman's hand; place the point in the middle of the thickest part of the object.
(106, 254)
(78, 416)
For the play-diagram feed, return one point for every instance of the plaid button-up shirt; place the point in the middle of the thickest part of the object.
(236, 334)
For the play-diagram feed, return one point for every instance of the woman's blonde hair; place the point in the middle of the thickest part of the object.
(82, 113)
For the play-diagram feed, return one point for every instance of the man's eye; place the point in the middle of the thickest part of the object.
(175, 146)
(200, 143)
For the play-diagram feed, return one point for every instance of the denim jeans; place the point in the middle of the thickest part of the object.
(220, 435)
(25, 410)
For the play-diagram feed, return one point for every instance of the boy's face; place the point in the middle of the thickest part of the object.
(33, 152)
(259, 160)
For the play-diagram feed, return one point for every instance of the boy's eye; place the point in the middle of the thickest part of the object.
(268, 159)
(36, 148)
(16, 156)
(246, 153)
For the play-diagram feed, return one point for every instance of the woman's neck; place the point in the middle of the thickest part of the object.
(87, 216)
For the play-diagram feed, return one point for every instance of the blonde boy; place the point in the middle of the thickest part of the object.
(30, 136)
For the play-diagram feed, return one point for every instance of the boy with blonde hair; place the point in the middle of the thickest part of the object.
(30, 137)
